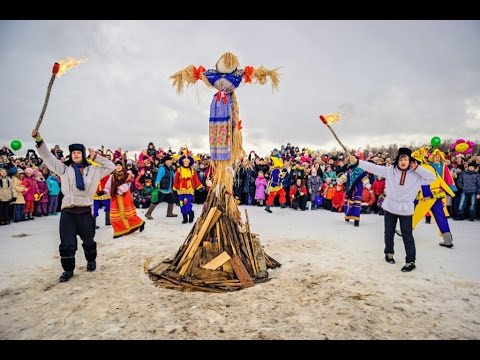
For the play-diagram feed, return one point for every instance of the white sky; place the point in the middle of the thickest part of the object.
(393, 81)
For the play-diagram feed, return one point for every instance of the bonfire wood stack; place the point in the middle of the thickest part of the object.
(219, 254)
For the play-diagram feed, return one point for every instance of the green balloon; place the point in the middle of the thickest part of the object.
(435, 141)
(16, 145)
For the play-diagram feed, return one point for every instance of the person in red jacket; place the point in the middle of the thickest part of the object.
(378, 188)
(298, 195)
(338, 198)
(368, 199)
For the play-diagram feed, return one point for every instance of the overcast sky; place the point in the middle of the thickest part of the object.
(392, 81)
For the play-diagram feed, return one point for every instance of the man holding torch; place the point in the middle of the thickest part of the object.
(79, 183)
(403, 180)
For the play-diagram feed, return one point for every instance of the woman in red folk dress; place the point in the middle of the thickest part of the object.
(123, 214)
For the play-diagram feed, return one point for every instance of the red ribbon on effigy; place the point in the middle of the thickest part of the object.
(222, 95)
(239, 125)
(198, 72)
(248, 74)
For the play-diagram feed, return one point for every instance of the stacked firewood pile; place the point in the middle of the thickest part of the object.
(219, 254)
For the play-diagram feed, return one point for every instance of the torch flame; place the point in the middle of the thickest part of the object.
(330, 118)
(68, 64)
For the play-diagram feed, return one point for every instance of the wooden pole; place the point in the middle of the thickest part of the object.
(47, 97)
(336, 137)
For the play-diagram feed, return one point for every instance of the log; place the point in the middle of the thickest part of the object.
(219, 240)
(192, 247)
(227, 267)
(241, 271)
(205, 274)
(249, 238)
(217, 262)
(195, 261)
(226, 236)
(160, 268)
(260, 257)
(248, 252)
(146, 264)
(198, 239)
(215, 218)
(210, 252)
(234, 241)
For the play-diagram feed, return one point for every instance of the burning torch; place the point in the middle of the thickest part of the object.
(330, 119)
(59, 68)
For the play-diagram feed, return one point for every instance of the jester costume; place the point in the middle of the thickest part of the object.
(101, 198)
(431, 198)
(185, 183)
(275, 187)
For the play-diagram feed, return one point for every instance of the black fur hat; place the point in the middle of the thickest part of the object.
(403, 151)
(77, 147)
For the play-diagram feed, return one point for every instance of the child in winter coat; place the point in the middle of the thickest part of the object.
(328, 190)
(53, 185)
(338, 198)
(314, 186)
(368, 199)
(260, 185)
(7, 195)
(41, 197)
(18, 210)
(31, 188)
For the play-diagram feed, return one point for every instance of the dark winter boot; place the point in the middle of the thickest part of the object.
(428, 219)
(107, 219)
(148, 214)
(91, 265)
(267, 208)
(283, 206)
(68, 265)
(191, 215)
(170, 211)
(67, 275)
(185, 219)
(68, 262)
(356, 223)
(30, 217)
(90, 255)
(142, 227)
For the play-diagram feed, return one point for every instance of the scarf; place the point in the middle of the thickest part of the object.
(78, 176)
